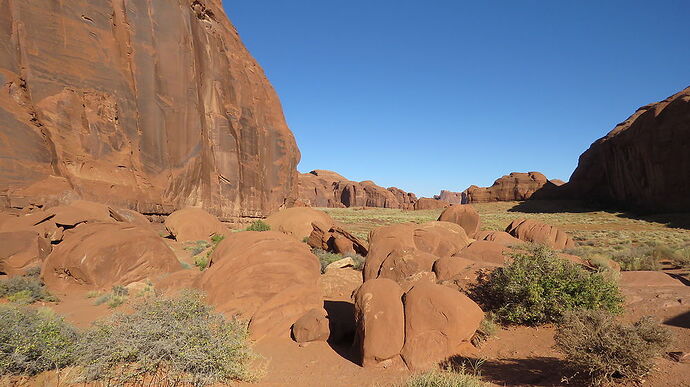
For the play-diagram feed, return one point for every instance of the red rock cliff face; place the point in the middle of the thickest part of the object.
(321, 188)
(643, 163)
(516, 186)
(151, 104)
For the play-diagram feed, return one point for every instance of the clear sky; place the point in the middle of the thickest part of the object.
(442, 94)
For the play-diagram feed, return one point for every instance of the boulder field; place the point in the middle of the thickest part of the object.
(146, 105)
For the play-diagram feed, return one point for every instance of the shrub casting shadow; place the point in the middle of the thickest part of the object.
(341, 316)
(533, 371)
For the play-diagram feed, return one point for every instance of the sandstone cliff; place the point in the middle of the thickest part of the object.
(148, 104)
(320, 188)
(643, 163)
(512, 187)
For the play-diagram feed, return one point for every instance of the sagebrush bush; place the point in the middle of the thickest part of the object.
(487, 329)
(33, 341)
(326, 258)
(26, 289)
(638, 258)
(538, 287)
(197, 247)
(168, 341)
(259, 225)
(445, 378)
(596, 344)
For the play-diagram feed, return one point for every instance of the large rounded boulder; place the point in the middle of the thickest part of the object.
(530, 230)
(297, 221)
(267, 277)
(440, 239)
(464, 215)
(501, 237)
(380, 321)
(438, 320)
(98, 256)
(193, 224)
(486, 252)
(20, 250)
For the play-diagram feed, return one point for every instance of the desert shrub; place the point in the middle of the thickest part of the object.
(33, 341)
(538, 287)
(115, 298)
(198, 247)
(259, 225)
(216, 239)
(26, 289)
(596, 344)
(201, 263)
(445, 378)
(326, 258)
(358, 259)
(168, 341)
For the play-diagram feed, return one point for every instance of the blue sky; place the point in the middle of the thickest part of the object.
(442, 94)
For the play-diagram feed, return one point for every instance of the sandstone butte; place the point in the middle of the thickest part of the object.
(321, 188)
(642, 164)
(100, 102)
(513, 187)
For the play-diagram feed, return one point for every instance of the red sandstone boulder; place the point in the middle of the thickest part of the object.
(464, 215)
(430, 204)
(20, 250)
(536, 232)
(401, 264)
(486, 252)
(100, 255)
(452, 197)
(336, 239)
(438, 319)
(266, 277)
(501, 237)
(297, 222)
(312, 326)
(439, 239)
(406, 200)
(380, 321)
(193, 224)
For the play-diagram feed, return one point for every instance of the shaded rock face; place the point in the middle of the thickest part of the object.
(150, 105)
(530, 230)
(463, 215)
(320, 188)
(643, 163)
(516, 186)
(430, 204)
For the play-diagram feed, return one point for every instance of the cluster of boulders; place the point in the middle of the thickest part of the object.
(409, 305)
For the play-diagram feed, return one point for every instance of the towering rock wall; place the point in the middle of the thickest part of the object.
(150, 104)
(320, 188)
(643, 163)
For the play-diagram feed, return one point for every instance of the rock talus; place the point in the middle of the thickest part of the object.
(149, 105)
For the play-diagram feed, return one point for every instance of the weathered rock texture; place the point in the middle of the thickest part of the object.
(516, 186)
(530, 230)
(452, 197)
(150, 105)
(463, 215)
(320, 188)
(643, 163)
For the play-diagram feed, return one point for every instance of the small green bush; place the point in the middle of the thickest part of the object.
(198, 247)
(445, 378)
(33, 341)
(201, 263)
(638, 258)
(538, 287)
(326, 258)
(259, 225)
(169, 342)
(26, 289)
(596, 344)
(117, 297)
(216, 239)
(487, 329)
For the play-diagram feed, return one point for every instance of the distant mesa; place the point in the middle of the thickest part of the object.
(516, 186)
(321, 188)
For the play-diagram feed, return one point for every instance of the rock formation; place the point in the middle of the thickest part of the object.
(149, 105)
(430, 204)
(530, 230)
(642, 164)
(452, 197)
(193, 224)
(512, 187)
(320, 188)
(464, 215)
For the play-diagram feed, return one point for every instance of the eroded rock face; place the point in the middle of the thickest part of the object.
(267, 277)
(452, 197)
(297, 222)
(430, 204)
(512, 187)
(149, 105)
(642, 164)
(320, 188)
(193, 224)
(97, 256)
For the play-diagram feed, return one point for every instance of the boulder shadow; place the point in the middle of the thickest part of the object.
(341, 321)
(532, 371)
(682, 320)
